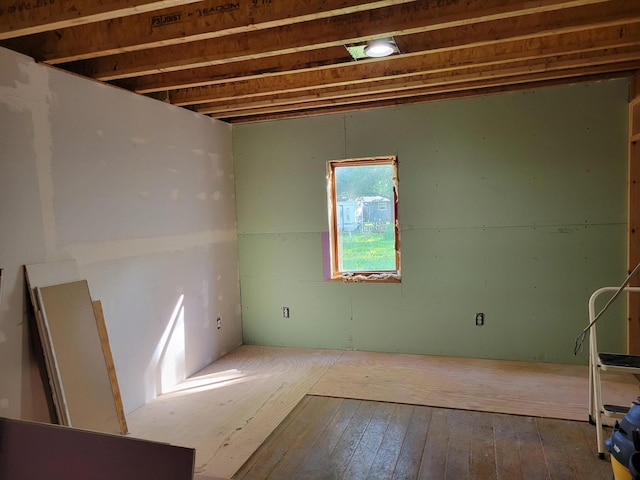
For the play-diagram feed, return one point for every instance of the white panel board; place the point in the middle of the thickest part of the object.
(67, 313)
(42, 275)
(51, 273)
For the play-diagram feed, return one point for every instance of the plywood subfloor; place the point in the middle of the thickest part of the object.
(345, 439)
(227, 410)
(521, 388)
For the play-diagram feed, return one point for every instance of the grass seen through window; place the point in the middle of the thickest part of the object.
(369, 251)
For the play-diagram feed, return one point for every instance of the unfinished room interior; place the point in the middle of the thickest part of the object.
(176, 241)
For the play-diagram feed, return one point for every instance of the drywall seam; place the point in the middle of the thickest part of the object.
(20, 98)
(88, 253)
(43, 145)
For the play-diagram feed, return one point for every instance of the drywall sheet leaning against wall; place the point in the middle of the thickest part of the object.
(43, 275)
(34, 450)
(77, 357)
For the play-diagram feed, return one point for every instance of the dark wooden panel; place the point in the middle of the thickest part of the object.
(434, 458)
(375, 440)
(408, 464)
(483, 455)
(370, 443)
(384, 463)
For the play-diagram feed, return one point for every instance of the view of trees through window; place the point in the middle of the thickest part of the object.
(365, 235)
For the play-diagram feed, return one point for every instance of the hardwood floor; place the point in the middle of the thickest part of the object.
(227, 410)
(347, 439)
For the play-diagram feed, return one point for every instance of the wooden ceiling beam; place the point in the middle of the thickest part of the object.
(600, 62)
(414, 17)
(413, 94)
(204, 20)
(616, 12)
(244, 70)
(426, 97)
(27, 17)
(406, 65)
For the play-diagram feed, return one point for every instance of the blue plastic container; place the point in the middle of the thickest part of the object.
(625, 441)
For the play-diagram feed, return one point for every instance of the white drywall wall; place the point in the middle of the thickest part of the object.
(141, 195)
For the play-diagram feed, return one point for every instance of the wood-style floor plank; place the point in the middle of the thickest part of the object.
(460, 444)
(384, 463)
(370, 443)
(434, 457)
(383, 441)
(483, 455)
(408, 464)
(530, 448)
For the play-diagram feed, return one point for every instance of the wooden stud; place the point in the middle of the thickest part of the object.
(633, 242)
(111, 369)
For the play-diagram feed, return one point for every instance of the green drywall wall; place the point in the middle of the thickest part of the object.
(513, 205)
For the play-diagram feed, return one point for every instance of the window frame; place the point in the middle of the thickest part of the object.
(385, 276)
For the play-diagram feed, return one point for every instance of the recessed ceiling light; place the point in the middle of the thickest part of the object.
(379, 48)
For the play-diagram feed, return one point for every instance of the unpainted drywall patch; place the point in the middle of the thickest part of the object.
(201, 196)
(138, 140)
(175, 193)
(172, 170)
(216, 195)
(100, 133)
(3, 337)
(197, 151)
(144, 194)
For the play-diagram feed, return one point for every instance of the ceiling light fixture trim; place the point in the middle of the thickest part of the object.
(382, 47)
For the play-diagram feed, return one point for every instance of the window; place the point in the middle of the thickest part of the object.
(363, 219)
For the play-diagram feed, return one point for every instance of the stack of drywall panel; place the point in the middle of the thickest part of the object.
(76, 349)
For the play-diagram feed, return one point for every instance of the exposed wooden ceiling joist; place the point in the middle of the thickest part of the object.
(406, 65)
(547, 67)
(26, 17)
(251, 60)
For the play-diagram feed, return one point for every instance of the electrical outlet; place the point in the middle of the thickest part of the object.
(285, 312)
(219, 323)
(479, 319)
